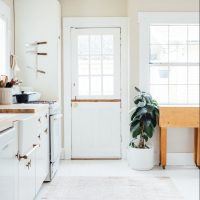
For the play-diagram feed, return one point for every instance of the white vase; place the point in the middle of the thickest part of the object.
(140, 159)
(6, 96)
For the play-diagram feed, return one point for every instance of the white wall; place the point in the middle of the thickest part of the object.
(179, 140)
(39, 20)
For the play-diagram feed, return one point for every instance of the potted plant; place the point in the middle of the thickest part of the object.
(144, 119)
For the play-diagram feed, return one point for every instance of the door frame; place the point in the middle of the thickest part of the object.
(94, 22)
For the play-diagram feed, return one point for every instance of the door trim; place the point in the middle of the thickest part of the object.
(94, 22)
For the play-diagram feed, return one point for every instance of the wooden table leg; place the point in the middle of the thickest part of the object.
(198, 148)
(195, 144)
(163, 146)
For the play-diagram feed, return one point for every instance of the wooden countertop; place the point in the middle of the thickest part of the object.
(23, 108)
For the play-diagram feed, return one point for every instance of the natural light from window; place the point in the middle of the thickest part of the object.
(2, 46)
(174, 63)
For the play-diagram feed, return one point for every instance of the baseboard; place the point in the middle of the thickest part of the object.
(180, 159)
(62, 154)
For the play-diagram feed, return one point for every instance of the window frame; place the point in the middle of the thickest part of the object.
(5, 15)
(145, 20)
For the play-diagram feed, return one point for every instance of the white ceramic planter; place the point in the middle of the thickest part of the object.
(140, 159)
(6, 96)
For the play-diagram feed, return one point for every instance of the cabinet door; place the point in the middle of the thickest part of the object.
(8, 165)
(27, 166)
(42, 158)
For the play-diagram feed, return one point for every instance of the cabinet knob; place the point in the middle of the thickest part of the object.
(39, 120)
(46, 115)
(39, 136)
(46, 131)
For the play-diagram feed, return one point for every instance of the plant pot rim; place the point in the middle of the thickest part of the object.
(140, 149)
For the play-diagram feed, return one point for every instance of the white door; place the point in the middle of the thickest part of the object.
(96, 95)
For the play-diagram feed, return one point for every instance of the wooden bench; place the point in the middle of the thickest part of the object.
(179, 117)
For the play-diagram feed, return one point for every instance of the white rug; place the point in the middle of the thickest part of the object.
(110, 188)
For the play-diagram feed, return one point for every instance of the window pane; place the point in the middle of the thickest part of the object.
(83, 65)
(95, 44)
(2, 47)
(159, 34)
(95, 65)
(160, 93)
(178, 94)
(83, 85)
(83, 44)
(178, 75)
(96, 85)
(108, 86)
(108, 65)
(159, 54)
(159, 75)
(178, 53)
(107, 42)
(193, 53)
(178, 34)
(193, 75)
(193, 94)
(193, 34)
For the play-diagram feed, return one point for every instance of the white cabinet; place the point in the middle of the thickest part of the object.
(9, 164)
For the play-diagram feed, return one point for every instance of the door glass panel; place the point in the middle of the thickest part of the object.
(159, 34)
(193, 34)
(95, 65)
(108, 65)
(178, 34)
(108, 88)
(193, 53)
(95, 44)
(96, 85)
(159, 75)
(108, 45)
(83, 85)
(83, 65)
(159, 54)
(178, 75)
(83, 45)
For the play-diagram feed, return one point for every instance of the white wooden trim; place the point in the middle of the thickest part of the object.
(5, 14)
(94, 22)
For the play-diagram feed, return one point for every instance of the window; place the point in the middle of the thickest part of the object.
(4, 39)
(173, 62)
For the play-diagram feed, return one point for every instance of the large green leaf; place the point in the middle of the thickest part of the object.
(136, 131)
(134, 123)
(149, 130)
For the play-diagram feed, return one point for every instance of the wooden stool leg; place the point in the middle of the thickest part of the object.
(195, 144)
(198, 148)
(163, 146)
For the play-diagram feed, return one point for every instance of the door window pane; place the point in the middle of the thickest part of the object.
(83, 45)
(160, 93)
(83, 65)
(108, 45)
(193, 53)
(193, 34)
(95, 44)
(159, 75)
(178, 75)
(108, 86)
(95, 65)
(178, 34)
(83, 84)
(178, 94)
(159, 54)
(95, 85)
(108, 65)
(178, 53)
(159, 34)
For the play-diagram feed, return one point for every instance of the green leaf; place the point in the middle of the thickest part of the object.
(137, 89)
(134, 123)
(136, 131)
(149, 130)
(145, 138)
